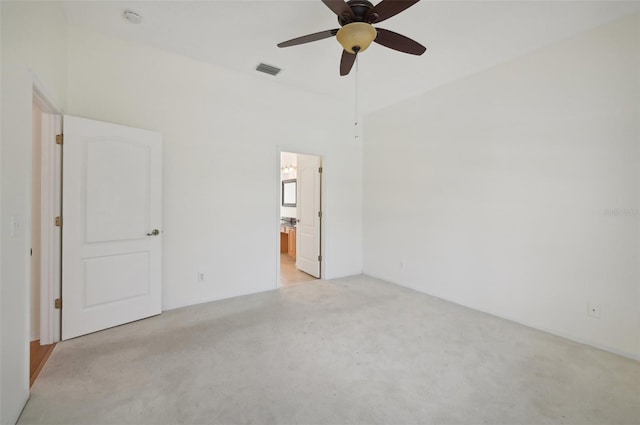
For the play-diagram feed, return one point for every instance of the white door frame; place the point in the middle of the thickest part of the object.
(279, 151)
(50, 248)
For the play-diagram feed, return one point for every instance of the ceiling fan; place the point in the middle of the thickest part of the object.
(356, 18)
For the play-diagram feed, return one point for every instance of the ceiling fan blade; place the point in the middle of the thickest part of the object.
(339, 7)
(346, 63)
(399, 42)
(388, 8)
(309, 38)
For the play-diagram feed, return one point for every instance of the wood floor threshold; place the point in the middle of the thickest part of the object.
(39, 354)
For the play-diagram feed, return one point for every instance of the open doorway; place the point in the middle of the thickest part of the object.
(300, 218)
(45, 230)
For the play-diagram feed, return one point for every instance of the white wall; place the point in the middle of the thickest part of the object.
(209, 116)
(36, 218)
(515, 191)
(2, 231)
(33, 36)
(14, 297)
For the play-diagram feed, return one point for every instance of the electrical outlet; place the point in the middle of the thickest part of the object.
(593, 310)
(201, 277)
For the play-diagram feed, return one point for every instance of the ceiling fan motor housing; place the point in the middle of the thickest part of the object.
(360, 10)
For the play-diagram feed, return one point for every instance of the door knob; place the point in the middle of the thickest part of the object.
(155, 232)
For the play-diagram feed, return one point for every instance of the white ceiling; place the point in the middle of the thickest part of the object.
(462, 38)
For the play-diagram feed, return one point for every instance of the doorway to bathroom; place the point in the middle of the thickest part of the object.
(300, 203)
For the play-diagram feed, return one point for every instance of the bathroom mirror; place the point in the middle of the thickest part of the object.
(289, 193)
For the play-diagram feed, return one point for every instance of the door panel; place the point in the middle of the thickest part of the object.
(308, 207)
(111, 201)
(117, 199)
(116, 278)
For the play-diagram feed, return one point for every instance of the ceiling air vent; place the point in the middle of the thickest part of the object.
(268, 69)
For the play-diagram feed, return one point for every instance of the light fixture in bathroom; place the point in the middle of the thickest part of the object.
(288, 169)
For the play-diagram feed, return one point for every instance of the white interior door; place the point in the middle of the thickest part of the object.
(308, 207)
(111, 200)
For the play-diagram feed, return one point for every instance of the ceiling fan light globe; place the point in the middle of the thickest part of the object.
(356, 34)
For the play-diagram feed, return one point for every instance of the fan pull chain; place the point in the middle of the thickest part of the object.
(356, 112)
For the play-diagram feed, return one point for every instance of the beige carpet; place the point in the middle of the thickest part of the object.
(354, 350)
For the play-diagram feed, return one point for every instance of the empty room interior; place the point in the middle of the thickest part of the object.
(320, 212)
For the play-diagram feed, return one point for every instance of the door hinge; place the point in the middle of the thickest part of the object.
(320, 214)
(57, 303)
(320, 170)
(319, 257)
(59, 139)
(58, 221)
